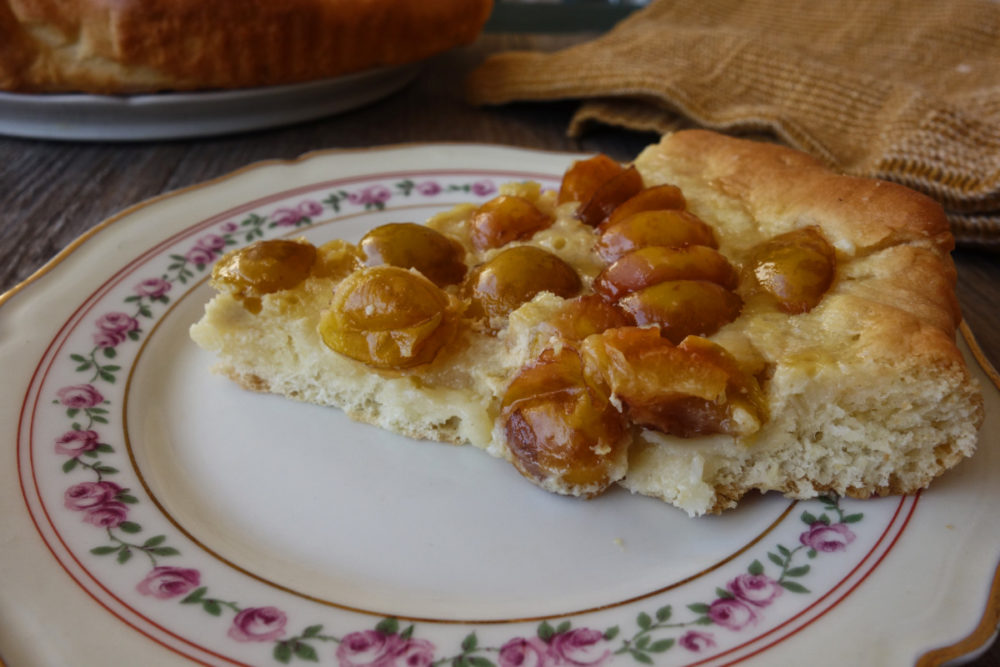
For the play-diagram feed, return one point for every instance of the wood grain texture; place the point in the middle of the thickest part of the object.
(50, 193)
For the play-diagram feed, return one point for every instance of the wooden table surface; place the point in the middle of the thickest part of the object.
(51, 192)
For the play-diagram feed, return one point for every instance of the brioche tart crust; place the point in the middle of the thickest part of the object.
(867, 393)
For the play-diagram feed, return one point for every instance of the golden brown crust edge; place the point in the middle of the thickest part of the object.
(779, 181)
(122, 46)
(893, 243)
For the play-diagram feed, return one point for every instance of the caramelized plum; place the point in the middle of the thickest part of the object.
(743, 389)
(670, 229)
(683, 307)
(609, 196)
(638, 364)
(647, 266)
(686, 390)
(513, 277)
(387, 317)
(796, 268)
(561, 429)
(409, 245)
(264, 267)
(504, 219)
(740, 414)
(586, 315)
(656, 198)
(584, 177)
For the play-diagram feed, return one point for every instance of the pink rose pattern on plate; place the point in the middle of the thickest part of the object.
(165, 582)
(258, 624)
(738, 605)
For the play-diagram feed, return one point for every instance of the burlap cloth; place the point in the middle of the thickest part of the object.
(904, 90)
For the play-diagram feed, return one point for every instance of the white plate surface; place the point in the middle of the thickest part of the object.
(179, 115)
(154, 513)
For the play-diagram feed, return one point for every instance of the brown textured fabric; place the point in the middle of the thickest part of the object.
(904, 90)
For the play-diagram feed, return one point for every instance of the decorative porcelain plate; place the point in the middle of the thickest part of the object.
(184, 115)
(155, 513)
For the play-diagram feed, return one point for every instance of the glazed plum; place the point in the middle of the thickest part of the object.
(587, 315)
(688, 390)
(561, 429)
(264, 267)
(647, 266)
(671, 229)
(387, 317)
(584, 177)
(409, 245)
(742, 389)
(504, 219)
(513, 277)
(609, 196)
(795, 268)
(683, 307)
(656, 198)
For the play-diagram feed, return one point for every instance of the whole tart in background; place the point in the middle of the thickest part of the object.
(141, 46)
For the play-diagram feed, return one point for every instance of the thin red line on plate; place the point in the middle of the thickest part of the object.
(380, 614)
(74, 319)
(27, 501)
(862, 579)
(55, 346)
(101, 226)
(72, 556)
(889, 527)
